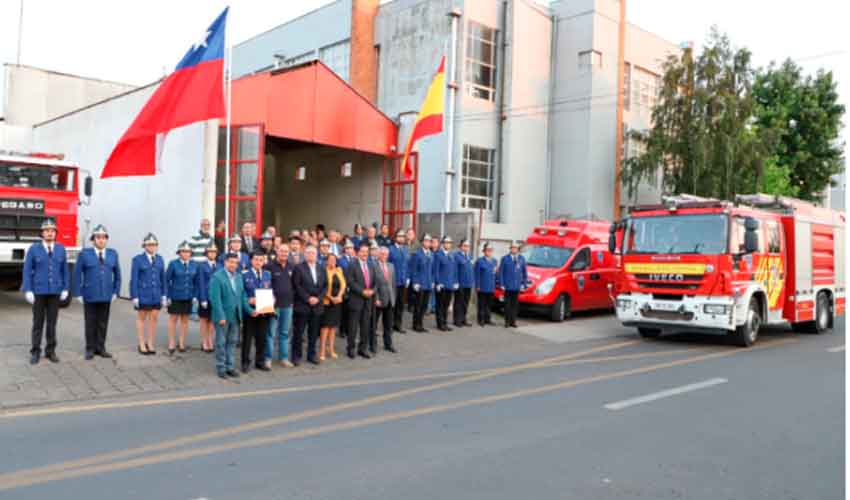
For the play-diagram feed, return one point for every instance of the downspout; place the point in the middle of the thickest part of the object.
(618, 152)
(450, 118)
(550, 133)
(501, 105)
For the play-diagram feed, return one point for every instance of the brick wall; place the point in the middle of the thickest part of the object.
(364, 62)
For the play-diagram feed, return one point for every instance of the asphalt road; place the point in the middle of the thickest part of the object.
(680, 417)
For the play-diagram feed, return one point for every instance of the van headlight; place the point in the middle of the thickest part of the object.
(546, 286)
(623, 303)
(716, 309)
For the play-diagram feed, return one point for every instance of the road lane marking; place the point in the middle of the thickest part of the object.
(839, 348)
(303, 415)
(31, 477)
(317, 387)
(619, 405)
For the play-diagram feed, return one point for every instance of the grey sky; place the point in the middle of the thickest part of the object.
(136, 42)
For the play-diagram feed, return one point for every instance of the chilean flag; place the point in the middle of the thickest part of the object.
(193, 93)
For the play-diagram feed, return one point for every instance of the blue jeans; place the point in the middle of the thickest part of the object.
(225, 345)
(279, 328)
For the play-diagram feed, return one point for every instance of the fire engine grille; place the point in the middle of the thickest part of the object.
(689, 282)
(20, 227)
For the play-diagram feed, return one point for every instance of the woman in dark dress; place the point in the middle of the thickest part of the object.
(333, 308)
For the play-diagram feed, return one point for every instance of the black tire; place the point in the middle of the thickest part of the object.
(649, 333)
(560, 309)
(821, 323)
(747, 334)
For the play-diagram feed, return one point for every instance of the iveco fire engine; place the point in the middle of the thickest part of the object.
(569, 268)
(701, 265)
(33, 187)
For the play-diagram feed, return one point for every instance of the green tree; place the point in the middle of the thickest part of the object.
(804, 115)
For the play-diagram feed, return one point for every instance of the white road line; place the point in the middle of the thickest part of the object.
(839, 348)
(665, 394)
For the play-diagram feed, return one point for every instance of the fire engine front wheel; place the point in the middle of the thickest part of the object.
(746, 334)
(649, 333)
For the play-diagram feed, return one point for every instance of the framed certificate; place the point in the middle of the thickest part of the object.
(264, 300)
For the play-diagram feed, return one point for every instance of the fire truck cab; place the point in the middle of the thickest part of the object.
(712, 266)
(569, 268)
(34, 187)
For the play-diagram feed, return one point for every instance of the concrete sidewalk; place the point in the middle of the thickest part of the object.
(128, 373)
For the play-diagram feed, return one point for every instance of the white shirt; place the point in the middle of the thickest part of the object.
(48, 246)
(313, 272)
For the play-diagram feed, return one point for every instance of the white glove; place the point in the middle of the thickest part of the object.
(30, 297)
(407, 282)
(439, 288)
(114, 296)
(195, 302)
(456, 286)
(416, 288)
(165, 300)
(136, 303)
(204, 304)
(63, 295)
(80, 299)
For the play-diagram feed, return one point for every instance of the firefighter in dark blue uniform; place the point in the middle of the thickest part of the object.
(97, 281)
(206, 269)
(446, 282)
(234, 245)
(45, 285)
(255, 326)
(485, 284)
(422, 281)
(513, 277)
(147, 289)
(466, 282)
(182, 281)
(399, 259)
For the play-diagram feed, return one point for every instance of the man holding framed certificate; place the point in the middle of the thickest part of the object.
(258, 288)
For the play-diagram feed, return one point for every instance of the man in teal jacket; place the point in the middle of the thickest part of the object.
(228, 302)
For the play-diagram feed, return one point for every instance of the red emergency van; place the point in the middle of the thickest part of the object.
(33, 187)
(569, 268)
(728, 268)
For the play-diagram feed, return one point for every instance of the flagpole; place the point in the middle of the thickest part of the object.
(228, 57)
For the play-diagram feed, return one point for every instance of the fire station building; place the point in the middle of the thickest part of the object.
(323, 104)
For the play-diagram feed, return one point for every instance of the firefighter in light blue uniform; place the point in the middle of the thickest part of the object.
(97, 281)
(485, 283)
(45, 285)
(148, 291)
(513, 276)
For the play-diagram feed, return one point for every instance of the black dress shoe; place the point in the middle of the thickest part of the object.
(232, 373)
(151, 350)
(171, 351)
(105, 354)
(402, 331)
(143, 353)
(34, 359)
(390, 349)
(313, 361)
(222, 375)
(53, 357)
(466, 323)
(373, 350)
(351, 354)
(246, 368)
(364, 354)
(263, 368)
(296, 362)
(182, 349)
(89, 356)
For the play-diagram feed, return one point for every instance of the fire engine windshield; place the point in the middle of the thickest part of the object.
(19, 175)
(682, 234)
(546, 256)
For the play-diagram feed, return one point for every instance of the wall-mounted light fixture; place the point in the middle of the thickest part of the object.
(345, 169)
(301, 173)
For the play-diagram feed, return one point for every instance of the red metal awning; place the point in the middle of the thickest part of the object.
(311, 103)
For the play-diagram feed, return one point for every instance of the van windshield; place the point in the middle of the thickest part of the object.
(18, 175)
(546, 256)
(682, 234)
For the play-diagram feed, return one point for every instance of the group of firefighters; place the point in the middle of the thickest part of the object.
(350, 284)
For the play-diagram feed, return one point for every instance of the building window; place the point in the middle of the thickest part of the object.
(589, 60)
(305, 57)
(337, 57)
(627, 85)
(481, 61)
(477, 184)
(645, 86)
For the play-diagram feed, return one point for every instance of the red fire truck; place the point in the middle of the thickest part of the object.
(569, 268)
(694, 264)
(33, 187)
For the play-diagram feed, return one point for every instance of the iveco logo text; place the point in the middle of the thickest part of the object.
(667, 277)
(21, 205)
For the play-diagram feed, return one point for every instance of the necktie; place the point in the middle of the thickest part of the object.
(186, 266)
(150, 258)
(386, 271)
(100, 257)
(50, 251)
(365, 269)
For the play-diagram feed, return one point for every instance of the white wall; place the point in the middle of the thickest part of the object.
(167, 204)
(15, 138)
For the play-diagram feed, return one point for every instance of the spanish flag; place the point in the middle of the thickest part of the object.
(429, 121)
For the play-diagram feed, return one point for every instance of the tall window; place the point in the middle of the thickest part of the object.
(477, 184)
(645, 86)
(481, 61)
(337, 57)
(627, 85)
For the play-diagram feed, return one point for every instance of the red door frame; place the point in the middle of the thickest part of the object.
(234, 163)
(394, 181)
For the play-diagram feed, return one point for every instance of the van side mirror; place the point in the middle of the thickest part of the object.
(612, 237)
(751, 235)
(87, 186)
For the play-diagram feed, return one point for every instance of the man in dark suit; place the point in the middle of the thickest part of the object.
(361, 280)
(386, 301)
(311, 283)
(249, 242)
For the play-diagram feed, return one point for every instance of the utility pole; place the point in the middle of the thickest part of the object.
(20, 32)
